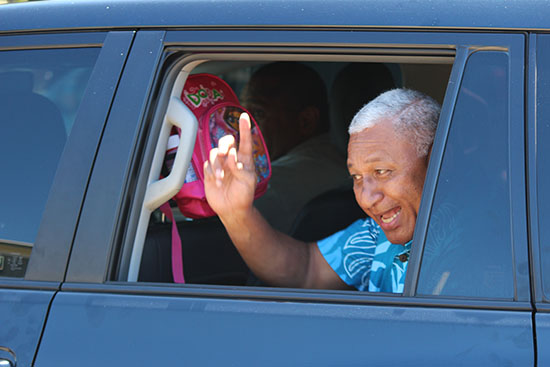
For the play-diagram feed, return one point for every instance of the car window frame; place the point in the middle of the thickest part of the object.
(294, 43)
(516, 165)
(536, 89)
(50, 254)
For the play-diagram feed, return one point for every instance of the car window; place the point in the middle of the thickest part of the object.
(348, 89)
(468, 249)
(40, 94)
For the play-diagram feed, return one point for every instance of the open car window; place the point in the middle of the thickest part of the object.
(209, 257)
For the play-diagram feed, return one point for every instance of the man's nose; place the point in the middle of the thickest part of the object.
(371, 194)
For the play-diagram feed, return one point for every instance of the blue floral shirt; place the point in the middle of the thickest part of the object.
(364, 258)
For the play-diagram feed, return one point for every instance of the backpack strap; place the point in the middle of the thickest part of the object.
(177, 259)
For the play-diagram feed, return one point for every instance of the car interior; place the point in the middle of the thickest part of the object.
(209, 256)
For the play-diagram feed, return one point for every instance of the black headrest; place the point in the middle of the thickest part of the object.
(353, 87)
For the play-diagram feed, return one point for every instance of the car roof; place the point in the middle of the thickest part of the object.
(134, 14)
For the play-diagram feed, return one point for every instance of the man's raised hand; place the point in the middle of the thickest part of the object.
(229, 175)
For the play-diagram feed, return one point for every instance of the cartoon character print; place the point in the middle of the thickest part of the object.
(203, 97)
(260, 156)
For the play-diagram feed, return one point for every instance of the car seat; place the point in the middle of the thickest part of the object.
(327, 214)
(32, 137)
(209, 256)
(354, 86)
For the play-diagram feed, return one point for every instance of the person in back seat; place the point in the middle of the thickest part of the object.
(354, 86)
(289, 102)
(388, 154)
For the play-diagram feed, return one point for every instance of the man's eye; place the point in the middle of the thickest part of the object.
(382, 172)
(356, 177)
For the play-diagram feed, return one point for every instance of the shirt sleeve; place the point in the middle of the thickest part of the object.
(350, 252)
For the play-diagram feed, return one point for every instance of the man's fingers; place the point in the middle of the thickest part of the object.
(216, 166)
(213, 156)
(232, 163)
(209, 174)
(225, 159)
(245, 142)
(237, 169)
(207, 169)
(232, 155)
(225, 143)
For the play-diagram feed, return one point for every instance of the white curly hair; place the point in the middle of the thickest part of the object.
(413, 114)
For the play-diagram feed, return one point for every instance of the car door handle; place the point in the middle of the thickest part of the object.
(5, 362)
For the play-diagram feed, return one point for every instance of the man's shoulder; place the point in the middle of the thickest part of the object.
(350, 251)
(362, 230)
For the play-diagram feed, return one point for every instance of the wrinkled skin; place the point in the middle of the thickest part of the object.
(388, 176)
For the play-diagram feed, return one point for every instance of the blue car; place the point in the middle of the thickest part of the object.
(89, 92)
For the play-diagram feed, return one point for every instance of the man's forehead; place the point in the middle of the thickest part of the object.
(378, 134)
(376, 143)
(360, 157)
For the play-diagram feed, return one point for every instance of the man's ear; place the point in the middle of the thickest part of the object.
(309, 121)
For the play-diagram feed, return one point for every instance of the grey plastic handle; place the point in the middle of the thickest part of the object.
(158, 190)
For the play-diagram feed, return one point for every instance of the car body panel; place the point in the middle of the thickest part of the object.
(542, 322)
(22, 316)
(91, 310)
(107, 184)
(112, 330)
(493, 14)
(57, 229)
(24, 303)
(538, 133)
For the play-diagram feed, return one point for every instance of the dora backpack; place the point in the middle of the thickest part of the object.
(217, 110)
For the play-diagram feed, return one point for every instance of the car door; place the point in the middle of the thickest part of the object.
(466, 298)
(538, 135)
(51, 119)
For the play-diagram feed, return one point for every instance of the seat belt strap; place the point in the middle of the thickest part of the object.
(177, 258)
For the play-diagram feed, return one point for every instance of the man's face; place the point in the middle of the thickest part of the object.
(388, 177)
(278, 123)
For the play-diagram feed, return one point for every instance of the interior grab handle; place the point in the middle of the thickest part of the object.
(161, 190)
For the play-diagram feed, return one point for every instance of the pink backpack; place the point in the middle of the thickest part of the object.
(217, 109)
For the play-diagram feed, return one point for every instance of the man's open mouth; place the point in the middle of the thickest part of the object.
(389, 216)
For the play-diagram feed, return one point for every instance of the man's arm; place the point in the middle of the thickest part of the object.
(276, 258)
